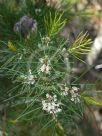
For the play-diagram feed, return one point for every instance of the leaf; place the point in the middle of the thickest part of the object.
(13, 121)
(92, 101)
(11, 46)
(59, 129)
(54, 24)
(81, 45)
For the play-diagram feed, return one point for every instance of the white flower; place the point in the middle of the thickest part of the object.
(46, 40)
(51, 105)
(48, 96)
(23, 77)
(47, 69)
(75, 97)
(43, 68)
(28, 79)
(73, 92)
(45, 65)
(75, 88)
(64, 90)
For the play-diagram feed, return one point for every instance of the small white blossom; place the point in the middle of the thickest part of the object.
(46, 40)
(65, 91)
(75, 97)
(48, 96)
(75, 88)
(73, 92)
(51, 105)
(28, 79)
(45, 66)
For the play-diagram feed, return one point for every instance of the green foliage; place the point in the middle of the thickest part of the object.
(92, 101)
(54, 23)
(81, 46)
(34, 69)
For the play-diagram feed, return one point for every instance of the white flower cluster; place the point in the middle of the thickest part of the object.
(51, 105)
(46, 40)
(75, 97)
(45, 66)
(28, 79)
(64, 90)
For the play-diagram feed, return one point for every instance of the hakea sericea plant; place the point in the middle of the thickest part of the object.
(37, 68)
